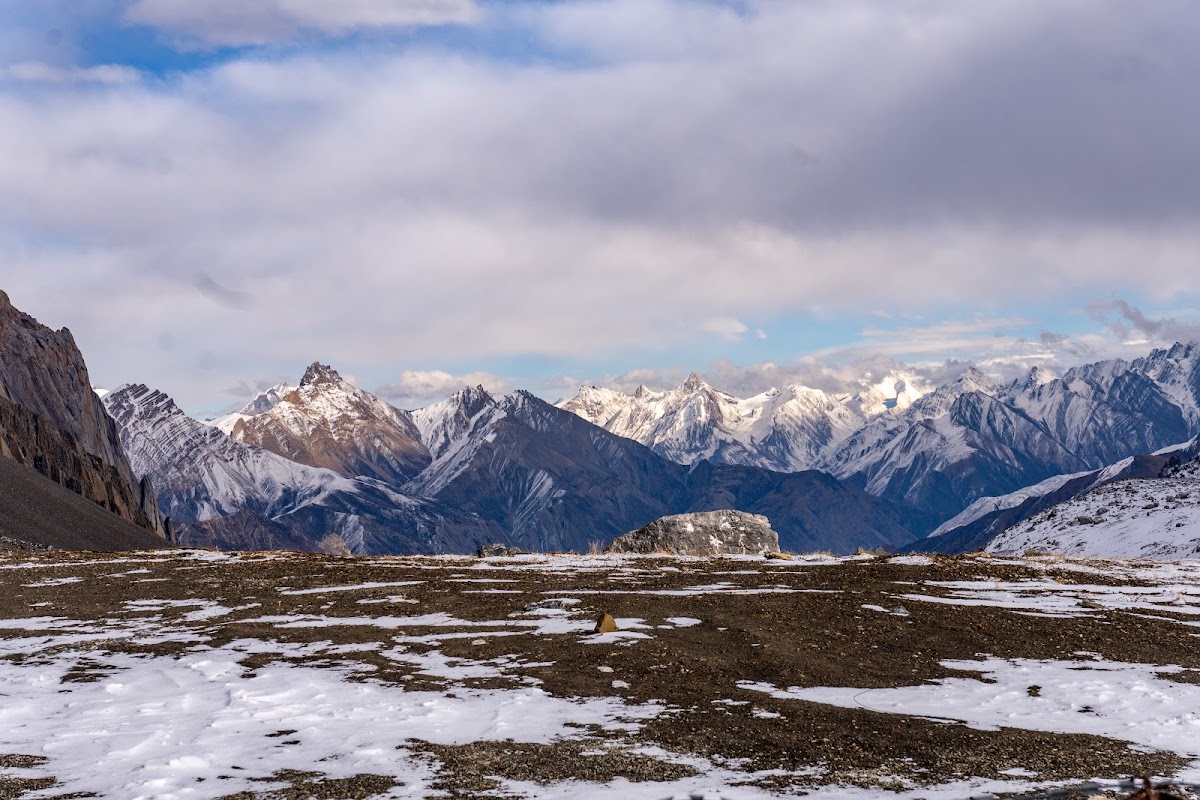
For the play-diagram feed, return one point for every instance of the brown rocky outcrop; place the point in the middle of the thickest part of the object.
(52, 420)
(331, 424)
(705, 533)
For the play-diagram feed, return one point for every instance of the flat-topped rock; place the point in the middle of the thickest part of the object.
(703, 533)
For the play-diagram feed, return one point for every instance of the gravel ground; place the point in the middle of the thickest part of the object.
(694, 632)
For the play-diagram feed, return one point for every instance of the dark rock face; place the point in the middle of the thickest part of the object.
(51, 420)
(705, 533)
(36, 513)
(249, 530)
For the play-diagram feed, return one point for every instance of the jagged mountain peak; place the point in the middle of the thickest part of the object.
(320, 374)
(694, 383)
(328, 422)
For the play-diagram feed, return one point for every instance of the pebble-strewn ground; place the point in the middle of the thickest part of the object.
(196, 674)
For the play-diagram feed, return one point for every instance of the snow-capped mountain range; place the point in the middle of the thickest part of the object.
(515, 468)
(328, 422)
(787, 430)
(937, 452)
(208, 481)
(512, 469)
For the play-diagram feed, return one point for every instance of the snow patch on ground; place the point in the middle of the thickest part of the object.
(202, 724)
(1124, 701)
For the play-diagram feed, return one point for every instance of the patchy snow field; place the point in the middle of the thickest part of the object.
(192, 674)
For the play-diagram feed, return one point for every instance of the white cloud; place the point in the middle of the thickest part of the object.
(42, 72)
(415, 388)
(391, 207)
(725, 327)
(254, 22)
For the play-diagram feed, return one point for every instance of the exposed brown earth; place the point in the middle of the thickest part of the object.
(786, 624)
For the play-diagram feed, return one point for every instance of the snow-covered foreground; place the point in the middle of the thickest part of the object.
(198, 675)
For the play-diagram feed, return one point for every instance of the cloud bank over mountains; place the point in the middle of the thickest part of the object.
(570, 183)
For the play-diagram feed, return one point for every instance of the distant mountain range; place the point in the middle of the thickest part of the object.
(324, 465)
(474, 469)
(933, 453)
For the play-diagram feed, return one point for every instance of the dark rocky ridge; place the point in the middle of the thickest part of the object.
(52, 421)
(554, 481)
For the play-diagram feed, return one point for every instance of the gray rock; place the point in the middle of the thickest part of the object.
(705, 533)
(494, 550)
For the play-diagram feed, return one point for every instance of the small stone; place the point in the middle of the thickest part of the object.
(778, 556)
(606, 624)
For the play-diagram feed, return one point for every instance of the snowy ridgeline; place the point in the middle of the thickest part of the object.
(1143, 518)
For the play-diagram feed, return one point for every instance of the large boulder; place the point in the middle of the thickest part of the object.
(705, 533)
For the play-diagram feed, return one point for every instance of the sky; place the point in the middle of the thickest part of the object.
(212, 194)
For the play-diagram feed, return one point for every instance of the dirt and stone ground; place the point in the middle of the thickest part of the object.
(697, 636)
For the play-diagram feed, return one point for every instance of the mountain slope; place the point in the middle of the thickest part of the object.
(980, 523)
(329, 423)
(52, 421)
(1152, 517)
(234, 495)
(200, 472)
(555, 481)
(36, 512)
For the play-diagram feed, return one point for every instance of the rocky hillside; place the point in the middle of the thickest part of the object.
(1151, 517)
(37, 514)
(227, 494)
(329, 423)
(51, 420)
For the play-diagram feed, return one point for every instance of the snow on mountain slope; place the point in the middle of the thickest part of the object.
(935, 452)
(225, 494)
(1177, 372)
(986, 505)
(329, 423)
(1138, 518)
(453, 431)
(781, 430)
(894, 393)
(262, 402)
(200, 473)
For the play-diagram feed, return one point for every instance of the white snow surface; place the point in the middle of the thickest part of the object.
(1137, 518)
(161, 725)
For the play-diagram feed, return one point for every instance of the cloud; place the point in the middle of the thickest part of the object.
(415, 388)
(1128, 322)
(725, 327)
(604, 194)
(41, 72)
(218, 23)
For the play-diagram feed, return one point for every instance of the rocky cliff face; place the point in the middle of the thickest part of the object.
(51, 420)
